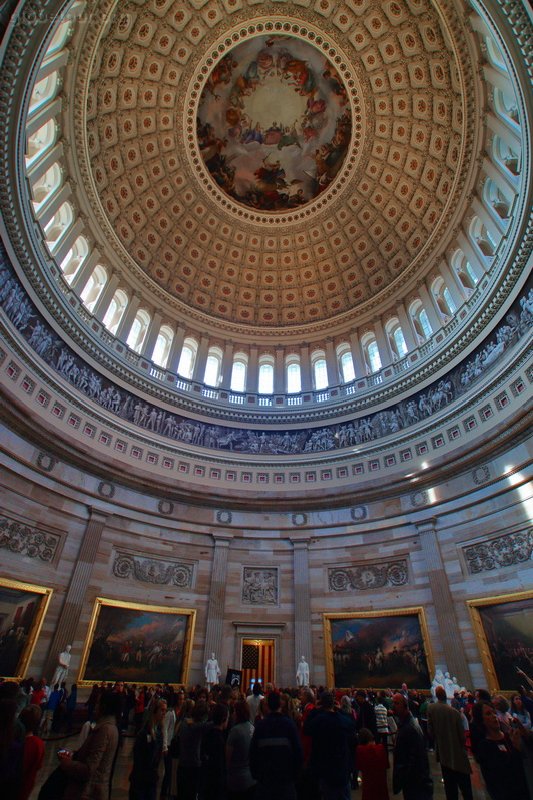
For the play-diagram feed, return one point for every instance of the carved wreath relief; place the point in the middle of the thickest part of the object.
(150, 570)
(368, 576)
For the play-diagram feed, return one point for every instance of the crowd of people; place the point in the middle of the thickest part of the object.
(306, 743)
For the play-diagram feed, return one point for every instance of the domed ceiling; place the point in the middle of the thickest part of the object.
(275, 163)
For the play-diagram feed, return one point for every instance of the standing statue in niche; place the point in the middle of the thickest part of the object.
(212, 671)
(62, 668)
(302, 673)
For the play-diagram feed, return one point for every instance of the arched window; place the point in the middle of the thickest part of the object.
(506, 156)
(420, 320)
(443, 298)
(506, 107)
(46, 186)
(238, 372)
(482, 238)
(265, 383)
(213, 366)
(60, 37)
(294, 374)
(347, 368)
(495, 55)
(371, 353)
(43, 91)
(465, 273)
(41, 141)
(187, 358)
(60, 222)
(396, 338)
(495, 200)
(94, 287)
(75, 258)
(320, 370)
(115, 311)
(138, 330)
(162, 346)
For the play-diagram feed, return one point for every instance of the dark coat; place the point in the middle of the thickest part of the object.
(334, 737)
(411, 773)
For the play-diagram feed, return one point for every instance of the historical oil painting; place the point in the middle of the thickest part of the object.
(22, 610)
(378, 649)
(137, 643)
(274, 123)
(504, 630)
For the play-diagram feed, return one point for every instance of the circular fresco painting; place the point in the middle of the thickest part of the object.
(274, 123)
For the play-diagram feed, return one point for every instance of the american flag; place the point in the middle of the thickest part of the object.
(257, 661)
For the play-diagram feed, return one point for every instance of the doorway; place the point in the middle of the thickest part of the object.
(257, 662)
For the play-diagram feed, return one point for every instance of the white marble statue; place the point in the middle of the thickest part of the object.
(212, 671)
(302, 672)
(62, 668)
(438, 680)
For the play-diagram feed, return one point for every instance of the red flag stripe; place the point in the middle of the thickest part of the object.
(265, 669)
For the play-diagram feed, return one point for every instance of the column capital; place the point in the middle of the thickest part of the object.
(300, 544)
(221, 541)
(427, 525)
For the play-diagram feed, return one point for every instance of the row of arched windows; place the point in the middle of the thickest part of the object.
(168, 346)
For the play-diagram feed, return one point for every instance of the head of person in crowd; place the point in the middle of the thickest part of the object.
(360, 697)
(346, 704)
(109, 705)
(257, 689)
(500, 703)
(400, 706)
(31, 719)
(440, 694)
(486, 721)
(220, 716)
(199, 711)
(274, 702)
(365, 736)
(327, 701)
(482, 695)
(241, 712)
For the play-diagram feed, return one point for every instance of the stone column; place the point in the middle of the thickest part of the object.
(385, 353)
(102, 304)
(67, 625)
(217, 598)
(200, 360)
(443, 602)
(302, 605)
(150, 340)
(175, 349)
(128, 317)
(227, 367)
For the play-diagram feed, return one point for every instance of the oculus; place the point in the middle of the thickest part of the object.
(274, 123)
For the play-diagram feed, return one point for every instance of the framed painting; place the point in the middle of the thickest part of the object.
(22, 610)
(378, 649)
(504, 630)
(137, 643)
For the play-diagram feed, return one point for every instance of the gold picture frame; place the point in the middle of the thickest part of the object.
(22, 610)
(503, 625)
(378, 649)
(137, 643)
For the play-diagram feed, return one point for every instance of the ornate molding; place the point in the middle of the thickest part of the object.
(27, 541)
(151, 570)
(502, 551)
(368, 576)
(260, 586)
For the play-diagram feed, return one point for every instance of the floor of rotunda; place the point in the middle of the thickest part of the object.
(124, 761)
